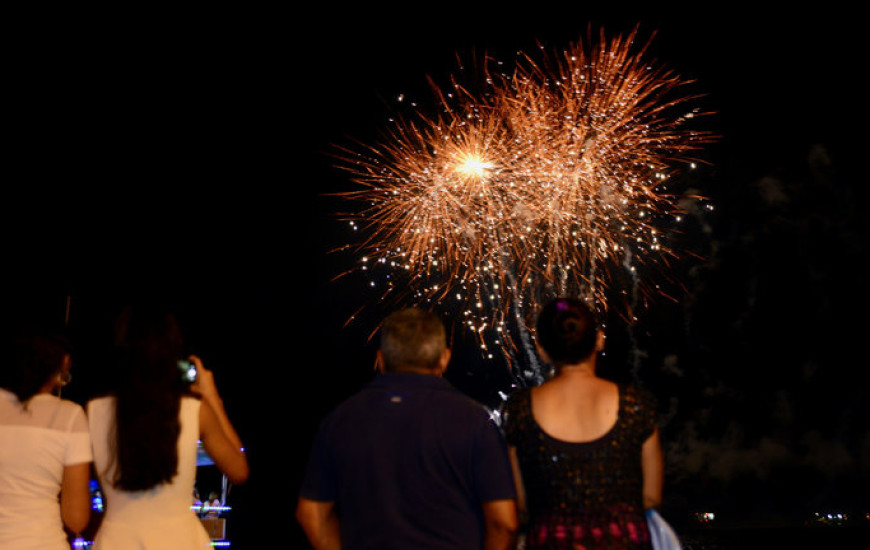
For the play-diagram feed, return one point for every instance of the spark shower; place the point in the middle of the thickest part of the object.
(550, 179)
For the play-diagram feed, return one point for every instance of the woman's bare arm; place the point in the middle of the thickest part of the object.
(518, 481)
(652, 463)
(225, 450)
(75, 496)
(219, 438)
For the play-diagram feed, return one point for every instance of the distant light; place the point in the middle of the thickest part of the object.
(705, 517)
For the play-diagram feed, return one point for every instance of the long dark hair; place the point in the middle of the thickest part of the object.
(148, 398)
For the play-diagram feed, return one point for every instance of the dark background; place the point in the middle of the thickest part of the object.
(184, 157)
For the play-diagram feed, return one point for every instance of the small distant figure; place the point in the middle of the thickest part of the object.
(409, 462)
(212, 507)
(197, 503)
(586, 449)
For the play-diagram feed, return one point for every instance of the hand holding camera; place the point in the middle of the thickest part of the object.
(203, 384)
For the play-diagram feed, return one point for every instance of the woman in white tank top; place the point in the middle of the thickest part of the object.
(145, 439)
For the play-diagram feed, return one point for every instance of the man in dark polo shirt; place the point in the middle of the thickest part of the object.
(409, 462)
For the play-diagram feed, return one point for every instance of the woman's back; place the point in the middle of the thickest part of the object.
(585, 486)
(585, 448)
(36, 444)
(576, 407)
(160, 517)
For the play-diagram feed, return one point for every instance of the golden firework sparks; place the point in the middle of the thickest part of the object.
(544, 184)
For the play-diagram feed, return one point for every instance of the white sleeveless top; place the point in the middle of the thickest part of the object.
(159, 518)
(36, 443)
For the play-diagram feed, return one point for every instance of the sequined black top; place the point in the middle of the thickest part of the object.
(583, 495)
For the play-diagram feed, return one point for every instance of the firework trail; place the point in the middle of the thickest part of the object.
(550, 181)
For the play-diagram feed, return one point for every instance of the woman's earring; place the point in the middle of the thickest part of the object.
(63, 378)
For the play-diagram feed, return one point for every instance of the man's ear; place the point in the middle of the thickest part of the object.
(444, 360)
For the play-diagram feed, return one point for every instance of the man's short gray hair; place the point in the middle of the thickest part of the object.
(412, 339)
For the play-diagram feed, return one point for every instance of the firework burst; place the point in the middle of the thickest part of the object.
(550, 181)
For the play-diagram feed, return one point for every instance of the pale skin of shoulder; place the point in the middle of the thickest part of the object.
(321, 523)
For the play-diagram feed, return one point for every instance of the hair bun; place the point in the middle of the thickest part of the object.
(567, 330)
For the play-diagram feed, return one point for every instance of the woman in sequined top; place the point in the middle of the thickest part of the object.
(586, 450)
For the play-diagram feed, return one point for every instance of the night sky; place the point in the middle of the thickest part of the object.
(183, 157)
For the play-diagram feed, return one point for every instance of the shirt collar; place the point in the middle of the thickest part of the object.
(410, 380)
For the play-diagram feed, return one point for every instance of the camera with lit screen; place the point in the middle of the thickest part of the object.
(188, 370)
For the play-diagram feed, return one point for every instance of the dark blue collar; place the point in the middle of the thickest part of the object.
(409, 380)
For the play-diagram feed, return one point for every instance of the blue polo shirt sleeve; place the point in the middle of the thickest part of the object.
(319, 482)
(493, 474)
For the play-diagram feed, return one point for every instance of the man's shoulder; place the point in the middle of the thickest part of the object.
(353, 406)
(463, 410)
(347, 407)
